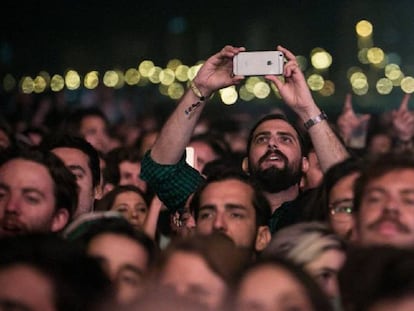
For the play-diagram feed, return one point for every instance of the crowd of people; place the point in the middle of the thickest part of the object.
(295, 214)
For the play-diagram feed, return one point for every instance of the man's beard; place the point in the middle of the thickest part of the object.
(273, 179)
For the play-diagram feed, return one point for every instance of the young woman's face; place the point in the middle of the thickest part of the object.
(132, 206)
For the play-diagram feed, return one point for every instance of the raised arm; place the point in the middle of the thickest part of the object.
(216, 73)
(296, 94)
(403, 124)
(348, 121)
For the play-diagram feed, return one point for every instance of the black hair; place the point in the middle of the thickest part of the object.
(260, 203)
(318, 205)
(109, 198)
(277, 116)
(65, 186)
(76, 142)
(378, 166)
(78, 281)
(382, 273)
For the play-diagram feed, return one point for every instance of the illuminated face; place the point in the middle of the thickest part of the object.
(190, 276)
(27, 201)
(132, 206)
(78, 163)
(129, 175)
(386, 212)
(275, 159)
(124, 260)
(25, 288)
(341, 204)
(226, 206)
(269, 288)
(325, 269)
(94, 130)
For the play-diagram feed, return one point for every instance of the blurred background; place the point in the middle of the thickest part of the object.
(148, 50)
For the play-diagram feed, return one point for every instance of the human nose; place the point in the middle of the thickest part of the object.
(392, 205)
(220, 223)
(12, 205)
(272, 144)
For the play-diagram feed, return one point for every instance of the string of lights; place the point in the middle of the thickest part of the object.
(173, 79)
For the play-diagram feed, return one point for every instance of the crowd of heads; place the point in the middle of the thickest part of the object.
(268, 226)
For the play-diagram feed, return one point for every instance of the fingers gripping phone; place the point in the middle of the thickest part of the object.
(258, 63)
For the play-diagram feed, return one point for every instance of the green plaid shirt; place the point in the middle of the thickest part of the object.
(172, 183)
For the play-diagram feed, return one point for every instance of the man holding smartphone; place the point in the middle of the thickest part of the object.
(274, 149)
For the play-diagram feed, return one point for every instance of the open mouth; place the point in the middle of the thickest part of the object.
(11, 227)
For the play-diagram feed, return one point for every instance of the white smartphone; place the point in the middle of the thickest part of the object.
(258, 63)
(190, 156)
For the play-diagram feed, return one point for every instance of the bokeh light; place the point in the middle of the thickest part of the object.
(144, 67)
(132, 76)
(27, 85)
(315, 82)
(328, 88)
(57, 83)
(407, 84)
(321, 59)
(40, 84)
(228, 95)
(375, 55)
(261, 90)
(91, 80)
(72, 80)
(181, 73)
(364, 28)
(384, 86)
(154, 74)
(245, 94)
(110, 78)
(175, 90)
(9, 82)
(167, 76)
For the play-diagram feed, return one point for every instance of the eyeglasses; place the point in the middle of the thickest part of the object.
(341, 207)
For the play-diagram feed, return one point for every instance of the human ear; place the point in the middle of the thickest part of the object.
(263, 237)
(60, 220)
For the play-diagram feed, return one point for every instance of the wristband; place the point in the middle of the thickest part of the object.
(196, 91)
(315, 120)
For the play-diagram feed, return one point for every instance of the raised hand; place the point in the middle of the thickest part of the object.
(349, 121)
(403, 120)
(294, 89)
(217, 71)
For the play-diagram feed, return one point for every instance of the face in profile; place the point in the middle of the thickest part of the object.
(386, 211)
(78, 163)
(190, 276)
(27, 201)
(132, 206)
(124, 260)
(341, 206)
(271, 287)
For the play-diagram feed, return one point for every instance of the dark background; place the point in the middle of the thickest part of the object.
(101, 35)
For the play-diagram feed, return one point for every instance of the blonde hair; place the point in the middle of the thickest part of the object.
(304, 242)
